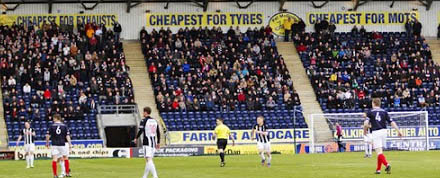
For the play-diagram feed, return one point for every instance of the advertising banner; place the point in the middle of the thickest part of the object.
(170, 152)
(363, 18)
(358, 133)
(60, 19)
(251, 149)
(392, 144)
(76, 144)
(240, 136)
(276, 22)
(204, 19)
(80, 153)
(6, 155)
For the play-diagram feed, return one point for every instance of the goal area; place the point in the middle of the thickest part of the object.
(412, 124)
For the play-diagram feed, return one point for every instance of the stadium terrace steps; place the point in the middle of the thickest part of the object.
(143, 92)
(304, 88)
(434, 45)
(3, 130)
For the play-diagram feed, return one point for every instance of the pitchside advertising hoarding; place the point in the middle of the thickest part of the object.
(76, 144)
(408, 132)
(79, 153)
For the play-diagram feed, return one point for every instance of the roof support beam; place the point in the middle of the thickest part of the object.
(131, 5)
(50, 3)
(90, 8)
(203, 4)
(245, 6)
(319, 6)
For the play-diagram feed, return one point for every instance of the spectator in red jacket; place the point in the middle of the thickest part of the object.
(47, 94)
(241, 97)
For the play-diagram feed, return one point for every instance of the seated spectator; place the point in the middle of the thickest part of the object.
(270, 104)
(27, 89)
(421, 101)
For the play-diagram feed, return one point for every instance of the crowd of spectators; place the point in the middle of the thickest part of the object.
(348, 69)
(51, 69)
(206, 69)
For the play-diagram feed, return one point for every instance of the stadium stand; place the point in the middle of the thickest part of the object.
(348, 69)
(201, 74)
(53, 69)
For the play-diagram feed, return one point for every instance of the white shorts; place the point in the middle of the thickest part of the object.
(67, 148)
(379, 138)
(29, 147)
(263, 146)
(148, 151)
(368, 138)
(60, 151)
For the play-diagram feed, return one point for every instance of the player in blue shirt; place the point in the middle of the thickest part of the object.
(59, 134)
(377, 120)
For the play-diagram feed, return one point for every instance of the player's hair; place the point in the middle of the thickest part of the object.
(220, 119)
(147, 110)
(260, 117)
(376, 102)
(57, 117)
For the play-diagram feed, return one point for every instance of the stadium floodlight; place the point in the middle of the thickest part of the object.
(413, 124)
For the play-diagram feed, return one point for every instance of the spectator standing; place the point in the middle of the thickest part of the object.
(339, 134)
(417, 28)
(287, 26)
(438, 31)
(117, 29)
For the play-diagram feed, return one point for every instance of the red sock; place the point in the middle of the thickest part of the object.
(384, 160)
(54, 168)
(379, 162)
(66, 164)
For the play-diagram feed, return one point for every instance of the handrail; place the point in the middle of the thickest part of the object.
(117, 109)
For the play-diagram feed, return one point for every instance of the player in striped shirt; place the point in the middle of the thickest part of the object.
(28, 134)
(149, 128)
(260, 132)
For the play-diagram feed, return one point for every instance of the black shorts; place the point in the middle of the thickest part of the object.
(221, 143)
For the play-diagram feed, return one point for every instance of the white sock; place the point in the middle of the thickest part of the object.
(28, 160)
(147, 170)
(370, 147)
(269, 158)
(262, 156)
(63, 168)
(32, 160)
(153, 169)
(367, 148)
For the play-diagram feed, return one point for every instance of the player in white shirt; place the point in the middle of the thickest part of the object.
(149, 128)
(260, 132)
(29, 143)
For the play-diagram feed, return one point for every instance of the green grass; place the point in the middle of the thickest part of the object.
(340, 165)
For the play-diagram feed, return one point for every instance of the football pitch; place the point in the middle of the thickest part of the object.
(332, 165)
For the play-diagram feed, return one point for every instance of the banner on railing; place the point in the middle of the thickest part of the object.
(363, 18)
(60, 19)
(204, 19)
(241, 136)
